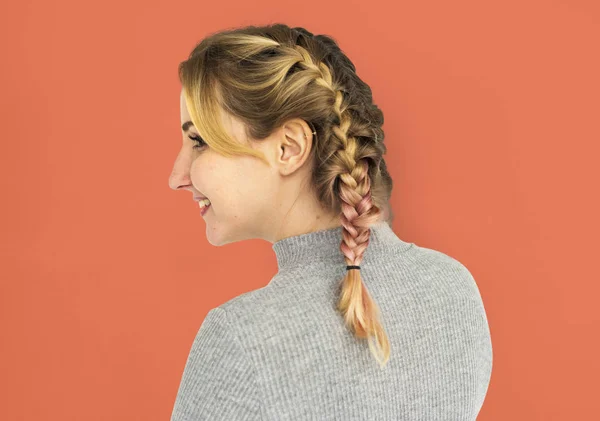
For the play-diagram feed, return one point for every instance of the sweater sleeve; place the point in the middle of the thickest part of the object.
(219, 380)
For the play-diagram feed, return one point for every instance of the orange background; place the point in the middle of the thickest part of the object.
(491, 121)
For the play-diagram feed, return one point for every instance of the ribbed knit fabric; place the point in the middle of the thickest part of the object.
(282, 352)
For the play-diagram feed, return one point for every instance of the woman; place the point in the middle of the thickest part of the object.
(283, 142)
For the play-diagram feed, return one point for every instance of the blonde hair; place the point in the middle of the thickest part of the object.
(266, 75)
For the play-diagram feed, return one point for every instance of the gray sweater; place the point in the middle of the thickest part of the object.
(282, 352)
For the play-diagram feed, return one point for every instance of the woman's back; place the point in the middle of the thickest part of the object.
(282, 352)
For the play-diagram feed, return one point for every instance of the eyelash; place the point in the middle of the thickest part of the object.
(200, 143)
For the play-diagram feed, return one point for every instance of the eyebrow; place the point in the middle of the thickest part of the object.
(185, 126)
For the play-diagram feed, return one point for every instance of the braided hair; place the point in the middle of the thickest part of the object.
(265, 75)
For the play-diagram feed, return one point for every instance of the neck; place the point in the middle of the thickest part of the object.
(323, 246)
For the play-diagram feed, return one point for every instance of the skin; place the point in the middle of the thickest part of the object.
(248, 199)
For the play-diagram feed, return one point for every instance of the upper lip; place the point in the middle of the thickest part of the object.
(198, 198)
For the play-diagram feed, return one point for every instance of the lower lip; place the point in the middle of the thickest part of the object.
(204, 209)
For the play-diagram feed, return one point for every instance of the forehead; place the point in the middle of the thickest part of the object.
(185, 116)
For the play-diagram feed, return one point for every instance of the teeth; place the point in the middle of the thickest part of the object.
(204, 202)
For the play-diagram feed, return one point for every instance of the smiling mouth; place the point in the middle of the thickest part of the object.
(204, 205)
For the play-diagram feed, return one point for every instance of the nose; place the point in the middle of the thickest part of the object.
(180, 175)
(178, 182)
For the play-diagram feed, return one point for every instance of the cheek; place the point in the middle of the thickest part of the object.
(232, 185)
(246, 186)
(202, 175)
(218, 178)
(255, 185)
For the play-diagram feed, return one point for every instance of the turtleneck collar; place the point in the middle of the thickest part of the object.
(324, 246)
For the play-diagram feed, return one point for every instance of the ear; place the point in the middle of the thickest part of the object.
(295, 145)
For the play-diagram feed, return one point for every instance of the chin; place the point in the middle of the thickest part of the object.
(213, 237)
(220, 236)
(217, 237)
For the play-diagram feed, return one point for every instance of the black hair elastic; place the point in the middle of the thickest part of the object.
(352, 267)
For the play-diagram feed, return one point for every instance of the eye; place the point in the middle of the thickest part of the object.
(199, 142)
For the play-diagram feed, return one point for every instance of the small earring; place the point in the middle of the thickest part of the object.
(312, 133)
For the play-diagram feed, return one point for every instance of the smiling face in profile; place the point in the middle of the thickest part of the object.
(248, 198)
(240, 189)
